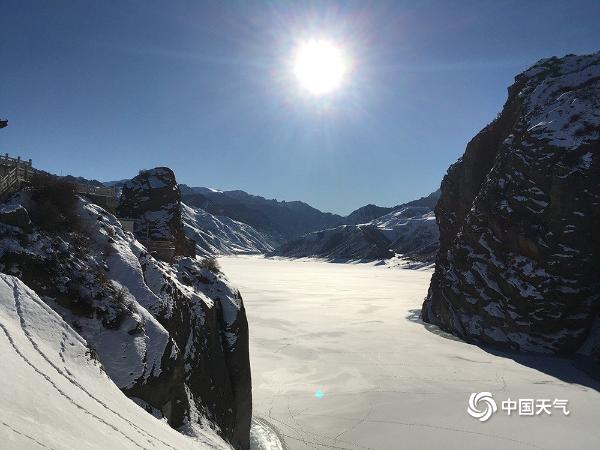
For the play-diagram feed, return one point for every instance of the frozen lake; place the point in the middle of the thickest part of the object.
(341, 361)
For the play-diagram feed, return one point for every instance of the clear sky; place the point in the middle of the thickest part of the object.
(102, 89)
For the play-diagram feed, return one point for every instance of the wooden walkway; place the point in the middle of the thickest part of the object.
(15, 172)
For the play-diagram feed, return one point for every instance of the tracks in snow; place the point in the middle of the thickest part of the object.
(65, 374)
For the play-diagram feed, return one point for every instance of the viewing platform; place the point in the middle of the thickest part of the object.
(16, 172)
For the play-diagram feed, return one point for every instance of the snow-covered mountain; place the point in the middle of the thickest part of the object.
(233, 222)
(58, 395)
(169, 330)
(519, 217)
(221, 235)
(409, 230)
(365, 214)
(280, 220)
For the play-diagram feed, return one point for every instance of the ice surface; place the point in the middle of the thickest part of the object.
(352, 332)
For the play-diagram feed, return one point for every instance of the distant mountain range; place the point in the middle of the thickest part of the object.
(236, 222)
(409, 230)
(280, 220)
(296, 229)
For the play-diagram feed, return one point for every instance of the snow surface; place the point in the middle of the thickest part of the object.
(55, 396)
(220, 235)
(352, 334)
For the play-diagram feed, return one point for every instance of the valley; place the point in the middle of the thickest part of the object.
(340, 360)
(300, 225)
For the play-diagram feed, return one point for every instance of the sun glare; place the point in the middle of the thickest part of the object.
(320, 66)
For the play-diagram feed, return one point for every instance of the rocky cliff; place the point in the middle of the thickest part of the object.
(153, 200)
(171, 335)
(519, 219)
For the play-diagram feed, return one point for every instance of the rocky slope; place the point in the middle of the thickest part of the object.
(55, 383)
(172, 335)
(220, 235)
(409, 230)
(519, 217)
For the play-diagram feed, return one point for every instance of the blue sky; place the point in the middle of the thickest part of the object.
(102, 89)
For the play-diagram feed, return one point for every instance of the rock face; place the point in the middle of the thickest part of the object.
(153, 200)
(173, 336)
(519, 219)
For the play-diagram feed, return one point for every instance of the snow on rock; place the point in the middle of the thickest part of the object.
(173, 335)
(81, 406)
(220, 235)
(519, 217)
(563, 100)
(408, 230)
(153, 200)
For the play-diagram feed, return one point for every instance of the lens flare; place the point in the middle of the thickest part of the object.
(320, 66)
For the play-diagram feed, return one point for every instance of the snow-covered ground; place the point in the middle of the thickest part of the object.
(54, 395)
(341, 361)
(220, 235)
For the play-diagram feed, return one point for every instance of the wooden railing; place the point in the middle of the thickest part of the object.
(10, 161)
(14, 171)
(14, 177)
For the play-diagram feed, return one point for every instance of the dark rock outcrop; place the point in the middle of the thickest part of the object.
(16, 216)
(153, 200)
(519, 219)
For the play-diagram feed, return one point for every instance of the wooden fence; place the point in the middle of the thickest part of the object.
(13, 172)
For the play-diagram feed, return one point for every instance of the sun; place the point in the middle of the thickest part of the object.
(320, 66)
